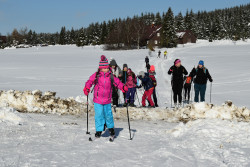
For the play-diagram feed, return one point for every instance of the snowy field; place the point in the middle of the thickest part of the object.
(53, 140)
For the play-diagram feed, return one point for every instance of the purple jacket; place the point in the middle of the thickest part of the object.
(131, 82)
(103, 89)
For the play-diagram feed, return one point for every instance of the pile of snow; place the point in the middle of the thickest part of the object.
(35, 101)
(10, 115)
(227, 111)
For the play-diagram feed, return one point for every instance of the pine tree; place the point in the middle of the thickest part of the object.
(168, 33)
(62, 39)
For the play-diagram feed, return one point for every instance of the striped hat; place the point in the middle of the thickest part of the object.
(104, 63)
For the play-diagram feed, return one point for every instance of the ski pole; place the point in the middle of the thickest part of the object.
(129, 125)
(171, 97)
(87, 115)
(211, 92)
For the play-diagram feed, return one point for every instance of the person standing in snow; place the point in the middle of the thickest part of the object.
(131, 84)
(152, 75)
(159, 54)
(165, 54)
(149, 88)
(147, 63)
(103, 80)
(201, 75)
(124, 78)
(177, 71)
(146, 60)
(116, 70)
(187, 88)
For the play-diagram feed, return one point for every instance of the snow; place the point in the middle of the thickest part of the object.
(199, 134)
(180, 34)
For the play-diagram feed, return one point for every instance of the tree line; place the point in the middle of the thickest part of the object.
(230, 23)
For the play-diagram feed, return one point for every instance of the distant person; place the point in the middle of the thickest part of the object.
(201, 75)
(165, 54)
(177, 71)
(159, 54)
(146, 60)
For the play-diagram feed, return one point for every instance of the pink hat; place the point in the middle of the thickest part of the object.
(104, 63)
(177, 61)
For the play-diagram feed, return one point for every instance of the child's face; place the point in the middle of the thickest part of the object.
(200, 66)
(125, 69)
(104, 70)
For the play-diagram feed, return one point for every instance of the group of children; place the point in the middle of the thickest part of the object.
(109, 79)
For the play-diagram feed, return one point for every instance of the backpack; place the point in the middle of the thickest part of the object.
(188, 80)
(96, 80)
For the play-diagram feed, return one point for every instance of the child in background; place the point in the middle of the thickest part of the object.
(187, 88)
(131, 84)
(149, 88)
(153, 79)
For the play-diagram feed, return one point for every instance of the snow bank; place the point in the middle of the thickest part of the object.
(36, 102)
(228, 111)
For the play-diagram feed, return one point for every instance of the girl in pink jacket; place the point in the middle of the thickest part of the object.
(103, 95)
(131, 84)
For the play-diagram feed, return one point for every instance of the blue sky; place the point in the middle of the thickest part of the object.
(51, 15)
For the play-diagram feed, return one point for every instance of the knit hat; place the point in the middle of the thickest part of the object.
(142, 74)
(113, 62)
(125, 65)
(152, 68)
(104, 63)
(129, 71)
(201, 62)
(177, 61)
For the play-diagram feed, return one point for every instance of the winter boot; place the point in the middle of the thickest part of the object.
(132, 105)
(98, 134)
(112, 132)
(125, 104)
(105, 126)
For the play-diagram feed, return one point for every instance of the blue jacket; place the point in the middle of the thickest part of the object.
(146, 82)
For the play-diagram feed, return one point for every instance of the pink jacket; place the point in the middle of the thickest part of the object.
(131, 82)
(103, 89)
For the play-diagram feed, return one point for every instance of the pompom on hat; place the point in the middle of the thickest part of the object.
(104, 63)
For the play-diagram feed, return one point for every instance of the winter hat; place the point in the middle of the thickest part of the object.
(113, 62)
(201, 62)
(104, 63)
(125, 65)
(177, 61)
(152, 68)
(129, 71)
(141, 73)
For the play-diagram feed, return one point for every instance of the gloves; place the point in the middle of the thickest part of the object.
(125, 89)
(211, 80)
(86, 91)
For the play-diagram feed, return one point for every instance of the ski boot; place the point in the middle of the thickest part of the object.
(98, 134)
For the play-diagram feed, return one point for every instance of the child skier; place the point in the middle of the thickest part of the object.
(165, 54)
(103, 81)
(149, 88)
(123, 78)
(187, 88)
(131, 84)
(153, 79)
(116, 71)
